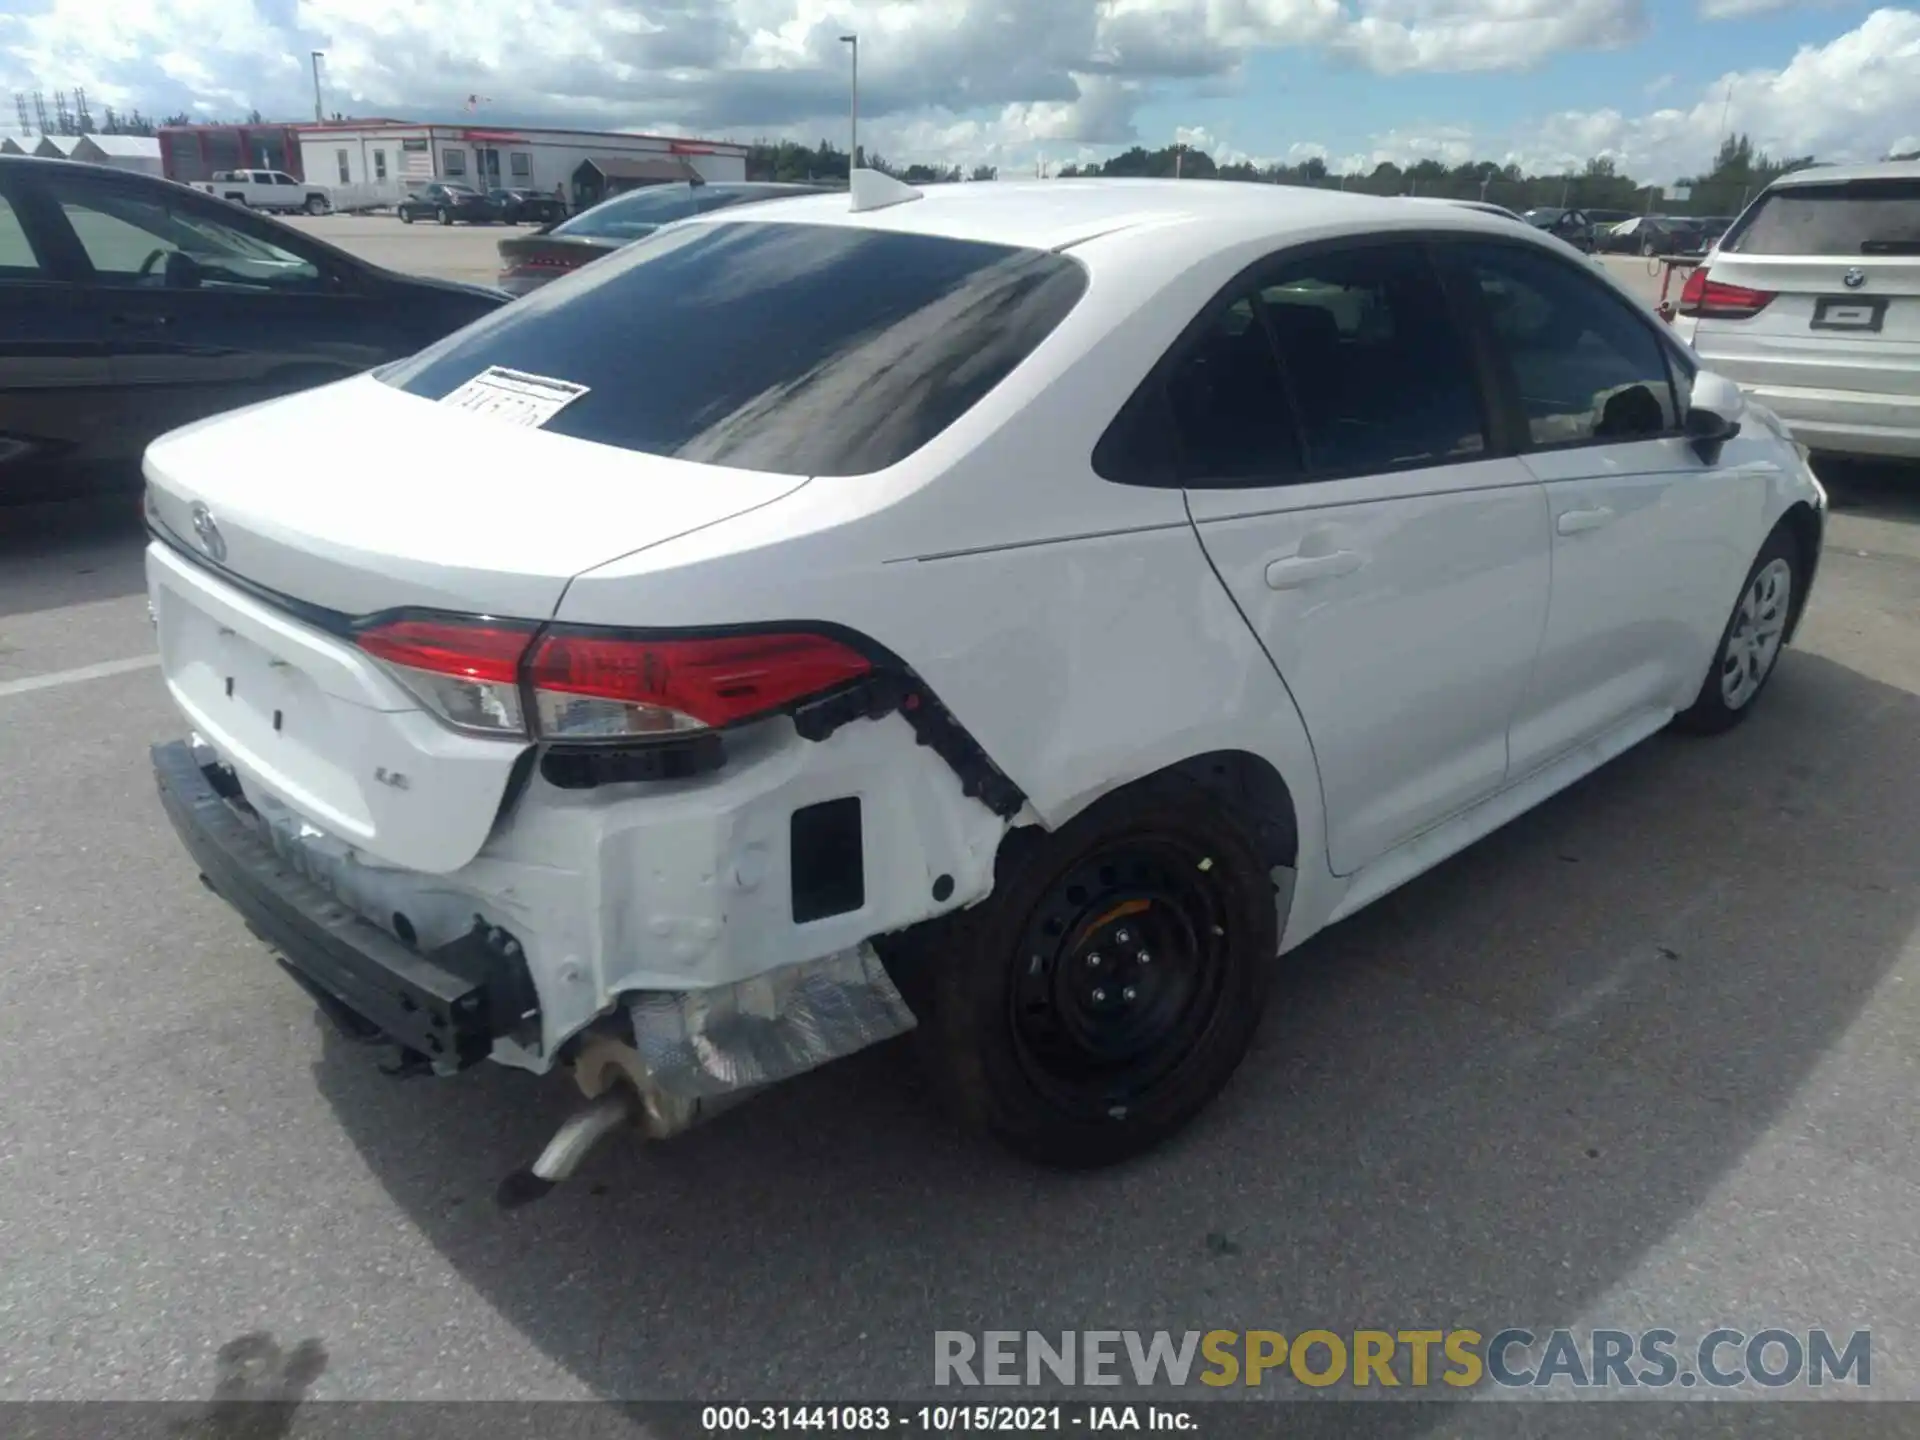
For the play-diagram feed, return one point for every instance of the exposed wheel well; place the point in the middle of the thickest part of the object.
(1804, 525)
(1244, 784)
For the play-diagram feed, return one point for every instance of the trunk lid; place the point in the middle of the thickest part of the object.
(1842, 262)
(358, 498)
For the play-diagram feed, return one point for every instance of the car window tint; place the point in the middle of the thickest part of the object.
(797, 349)
(1228, 405)
(1378, 371)
(1585, 366)
(1868, 217)
(17, 260)
(134, 239)
(629, 216)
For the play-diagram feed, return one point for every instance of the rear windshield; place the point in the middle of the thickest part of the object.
(795, 349)
(1866, 217)
(629, 216)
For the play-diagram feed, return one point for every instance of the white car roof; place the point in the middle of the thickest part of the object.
(1182, 216)
(1841, 174)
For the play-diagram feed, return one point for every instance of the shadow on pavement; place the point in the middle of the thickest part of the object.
(1479, 1102)
(72, 553)
(1885, 490)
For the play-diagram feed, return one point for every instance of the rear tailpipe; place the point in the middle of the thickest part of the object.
(616, 1107)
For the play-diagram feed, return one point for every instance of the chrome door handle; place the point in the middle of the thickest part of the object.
(1305, 569)
(1573, 522)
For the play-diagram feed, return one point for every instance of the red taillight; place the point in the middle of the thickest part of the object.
(467, 672)
(1714, 300)
(477, 651)
(544, 262)
(605, 686)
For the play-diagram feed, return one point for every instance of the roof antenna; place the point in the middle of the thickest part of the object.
(876, 190)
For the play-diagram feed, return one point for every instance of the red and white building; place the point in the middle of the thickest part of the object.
(370, 163)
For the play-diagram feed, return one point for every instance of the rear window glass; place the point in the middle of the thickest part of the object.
(1873, 217)
(794, 349)
(628, 217)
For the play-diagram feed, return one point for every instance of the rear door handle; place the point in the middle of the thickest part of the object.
(1573, 522)
(1298, 570)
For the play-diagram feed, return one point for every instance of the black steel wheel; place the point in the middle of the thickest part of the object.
(1107, 989)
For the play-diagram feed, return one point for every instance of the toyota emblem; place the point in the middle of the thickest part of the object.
(211, 540)
(1854, 278)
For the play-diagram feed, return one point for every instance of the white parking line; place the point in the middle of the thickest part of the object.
(75, 676)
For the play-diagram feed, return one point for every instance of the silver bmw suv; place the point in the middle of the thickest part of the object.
(1811, 303)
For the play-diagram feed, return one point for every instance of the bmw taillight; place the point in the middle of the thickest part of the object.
(1712, 299)
(578, 684)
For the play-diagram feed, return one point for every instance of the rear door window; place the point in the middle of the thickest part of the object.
(794, 349)
(1379, 373)
(1864, 217)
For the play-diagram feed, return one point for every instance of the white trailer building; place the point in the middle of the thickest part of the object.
(372, 163)
(140, 153)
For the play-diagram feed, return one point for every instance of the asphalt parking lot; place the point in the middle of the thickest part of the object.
(1644, 1058)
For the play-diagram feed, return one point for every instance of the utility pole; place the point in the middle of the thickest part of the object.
(853, 114)
(319, 111)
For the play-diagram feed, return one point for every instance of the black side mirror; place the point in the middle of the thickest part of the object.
(183, 271)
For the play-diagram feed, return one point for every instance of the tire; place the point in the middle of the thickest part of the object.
(1764, 610)
(316, 205)
(1076, 1058)
(446, 216)
(406, 215)
(1648, 248)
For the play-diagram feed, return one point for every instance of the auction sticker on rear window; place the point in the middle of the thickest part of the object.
(515, 396)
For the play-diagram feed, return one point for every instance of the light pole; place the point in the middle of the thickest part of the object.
(319, 112)
(853, 120)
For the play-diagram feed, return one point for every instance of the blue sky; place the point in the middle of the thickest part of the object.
(1541, 83)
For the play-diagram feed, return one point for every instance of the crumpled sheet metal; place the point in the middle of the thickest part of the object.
(704, 1044)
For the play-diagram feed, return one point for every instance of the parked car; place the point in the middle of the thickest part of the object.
(268, 190)
(1652, 235)
(449, 204)
(1712, 227)
(1485, 207)
(1020, 610)
(1811, 301)
(523, 207)
(1572, 226)
(133, 304)
(530, 261)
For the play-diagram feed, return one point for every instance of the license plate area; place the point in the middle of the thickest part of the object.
(253, 694)
(1849, 313)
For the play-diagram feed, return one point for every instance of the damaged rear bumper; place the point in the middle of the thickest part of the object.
(449, 1004)
(682, 1055)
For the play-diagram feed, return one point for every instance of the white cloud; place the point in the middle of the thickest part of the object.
(1740, 9)
(962, 81)
(1060, 72)
(1395, 36)
(1849, 99)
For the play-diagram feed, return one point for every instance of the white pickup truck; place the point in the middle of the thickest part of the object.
(267, 190)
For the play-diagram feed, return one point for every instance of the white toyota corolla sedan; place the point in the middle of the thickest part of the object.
(1021, 611)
